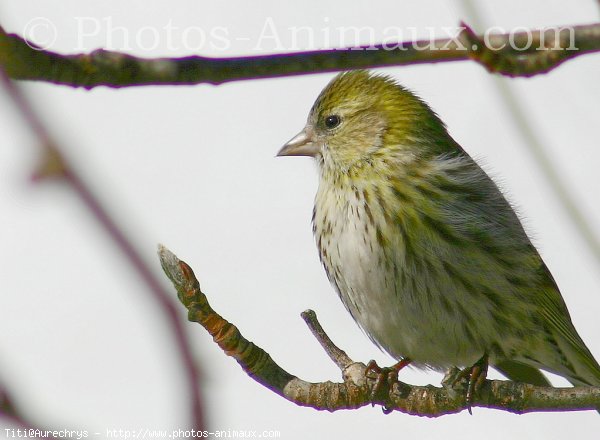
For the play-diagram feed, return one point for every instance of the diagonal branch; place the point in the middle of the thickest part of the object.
(513, 54)
(55, 165)
(356, 388)
(11, 413)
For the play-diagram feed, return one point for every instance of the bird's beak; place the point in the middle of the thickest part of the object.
(302, 144)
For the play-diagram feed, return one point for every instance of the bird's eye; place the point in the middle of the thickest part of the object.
(332, 121)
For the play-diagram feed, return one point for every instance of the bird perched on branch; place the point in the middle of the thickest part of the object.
(422, 247)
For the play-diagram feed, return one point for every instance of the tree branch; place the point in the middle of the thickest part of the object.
(356, 388)
(10, 412)
(516, 54)
(54, 165)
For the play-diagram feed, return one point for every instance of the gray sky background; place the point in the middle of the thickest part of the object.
(81, 343)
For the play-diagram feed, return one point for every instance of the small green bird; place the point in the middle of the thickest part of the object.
(422, 247)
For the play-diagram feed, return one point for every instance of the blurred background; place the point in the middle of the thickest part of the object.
(83, 346)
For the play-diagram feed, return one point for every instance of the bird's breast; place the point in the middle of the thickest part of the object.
(358, 262)
(393, 285)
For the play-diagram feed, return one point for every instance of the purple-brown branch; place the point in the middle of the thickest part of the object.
(54, 165)
(519, 54)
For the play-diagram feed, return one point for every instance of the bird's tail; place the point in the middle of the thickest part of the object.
(576, 362)
(586, 368)
(520, 372)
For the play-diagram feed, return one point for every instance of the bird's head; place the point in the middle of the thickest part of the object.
(361, 116)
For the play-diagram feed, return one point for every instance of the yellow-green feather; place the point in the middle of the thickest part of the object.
(423, 248)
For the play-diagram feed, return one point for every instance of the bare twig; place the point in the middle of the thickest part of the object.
(337, 355)
(356, 389)
(533, 143)
(7, 407)
(10, 412)
(54, 165)
(518, 54)
(520, 64)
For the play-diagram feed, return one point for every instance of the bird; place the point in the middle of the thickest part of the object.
(423, 248)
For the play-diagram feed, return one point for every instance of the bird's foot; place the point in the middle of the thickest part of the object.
(475, 377)
(379, 375)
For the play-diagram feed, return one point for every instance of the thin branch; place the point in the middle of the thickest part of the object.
(10, 412)
(8, 409)
(356, 388)
(533, 143)
(54, 165)
(516, 54)
(337, 355)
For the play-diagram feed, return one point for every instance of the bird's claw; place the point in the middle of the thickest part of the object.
(380, 376)
(387, 375)
(475, 377)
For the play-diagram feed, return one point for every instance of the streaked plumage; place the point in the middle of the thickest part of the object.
(422, 247)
